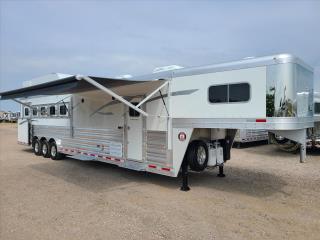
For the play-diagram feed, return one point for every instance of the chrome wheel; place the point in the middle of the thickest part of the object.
(36, 147)
(53, 151)
(201, 155)
(44, 149)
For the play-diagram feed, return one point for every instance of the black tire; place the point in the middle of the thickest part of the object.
(53, 151)
(45, 149)
(197, 155)
(36, 145)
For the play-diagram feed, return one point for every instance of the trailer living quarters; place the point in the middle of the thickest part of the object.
(169, 120)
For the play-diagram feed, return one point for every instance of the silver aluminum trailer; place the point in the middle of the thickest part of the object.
(167, 121)
(251, 135)
(9, 116)
(313, 134)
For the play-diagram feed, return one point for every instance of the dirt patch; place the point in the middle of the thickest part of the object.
(267, 194)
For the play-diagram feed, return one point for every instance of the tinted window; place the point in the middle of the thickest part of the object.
(317, 108)
(132, 112)
(239, 92)
(63, 110)
(26, 111)
(52, 110)
(43, 111)
(218, 94)
(34, 111)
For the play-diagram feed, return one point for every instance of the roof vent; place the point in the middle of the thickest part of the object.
(166, 68)
(124, 76)
(246, 58)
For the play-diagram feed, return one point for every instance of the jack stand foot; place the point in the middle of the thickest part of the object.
(303, 153)
(185, 189)
(221, 174)
(185, 177)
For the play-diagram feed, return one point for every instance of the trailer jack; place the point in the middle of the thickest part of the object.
(221, 174)
(185, 176)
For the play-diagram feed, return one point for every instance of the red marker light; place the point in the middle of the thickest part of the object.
(261, 120)
(182, 136)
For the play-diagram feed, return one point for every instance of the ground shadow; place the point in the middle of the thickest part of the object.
(98, 176)
(273, 150)
(314, 151)
(27, 150)
(245, 181)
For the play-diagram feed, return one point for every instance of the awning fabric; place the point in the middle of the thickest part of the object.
(67, 86)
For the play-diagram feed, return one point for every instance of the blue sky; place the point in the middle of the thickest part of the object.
(109, 38)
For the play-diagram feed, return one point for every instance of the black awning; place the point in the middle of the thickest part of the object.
(64, 86)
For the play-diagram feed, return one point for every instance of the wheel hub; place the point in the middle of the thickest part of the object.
(36, 147)
(53, 151)
(44, 149)
(201, 155)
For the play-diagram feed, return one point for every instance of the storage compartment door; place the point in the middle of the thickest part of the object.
(23, 131)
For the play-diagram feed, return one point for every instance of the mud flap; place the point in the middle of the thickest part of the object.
(227, 143)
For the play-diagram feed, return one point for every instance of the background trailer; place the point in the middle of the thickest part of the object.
(313, 134)
(169, 120)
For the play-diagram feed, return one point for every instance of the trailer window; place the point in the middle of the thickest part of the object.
(317, 108)
(35, 111)
(26, 111)
(229, 93)
(239, 92)
(52, 110)
(132, 112)
(43, 111)
(218, 94)
(63, 110)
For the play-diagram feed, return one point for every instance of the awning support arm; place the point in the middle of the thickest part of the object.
(113, 94)
(24, 104)
(151, 94)
(164, 103)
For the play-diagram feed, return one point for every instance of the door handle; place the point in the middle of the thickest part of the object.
(120, 127)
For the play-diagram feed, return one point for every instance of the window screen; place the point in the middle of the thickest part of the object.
(218, 94)
(26, 111)
(63, 110)
(239, 92)
(132, 112)
(52, 110)
(35, 111)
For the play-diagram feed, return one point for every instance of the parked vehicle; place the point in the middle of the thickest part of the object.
(9, 116)
(167, 121)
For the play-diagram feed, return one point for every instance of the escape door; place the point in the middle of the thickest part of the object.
(134, 135)
(23, 131)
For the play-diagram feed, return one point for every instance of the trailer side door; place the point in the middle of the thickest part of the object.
(134, 135)
(24, 127)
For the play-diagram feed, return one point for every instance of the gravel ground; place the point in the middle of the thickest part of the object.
(267, 194)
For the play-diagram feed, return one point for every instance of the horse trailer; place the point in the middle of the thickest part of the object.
(247, 136)
(169, 121)
(313, 134)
